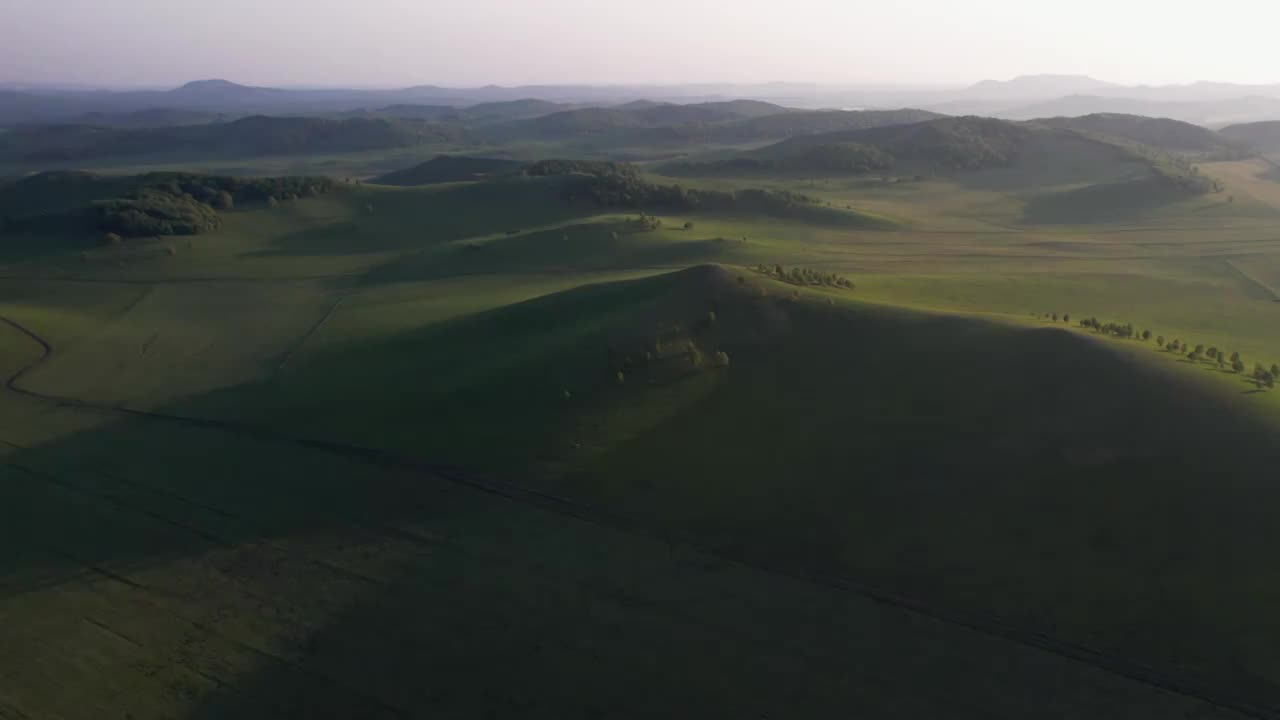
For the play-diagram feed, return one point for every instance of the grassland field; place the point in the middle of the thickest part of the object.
(322, 462)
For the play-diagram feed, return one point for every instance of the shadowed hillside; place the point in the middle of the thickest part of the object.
(1162, 133)
(259, 135)
(784, 426)
(725, 122)
(1020, 156)
(1261, 136)
(447, 168)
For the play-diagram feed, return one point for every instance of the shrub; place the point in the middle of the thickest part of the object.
(722, 359)
(111, 239)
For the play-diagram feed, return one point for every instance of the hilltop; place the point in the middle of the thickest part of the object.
(1039, 154)
(1163, 133)
(119, 207)
(449, 168)
(730, 122)
(1036, 86)
(944, 144)
(482, 425)
(257, 135)
(643, 404)
(1261, 136)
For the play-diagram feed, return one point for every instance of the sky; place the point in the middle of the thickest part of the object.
(388, 43)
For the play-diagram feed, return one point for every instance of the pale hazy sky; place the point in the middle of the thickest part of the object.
(469, 42)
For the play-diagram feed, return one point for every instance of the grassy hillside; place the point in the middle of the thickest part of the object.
(819, 121)
(801, 449)
(1262, 136)
(711, 112)
(942, 145)
(1163, 133)
(155, 117)
(1080, 169)
(155, 204)
(249, 136)
(566, 444)
(726, 123)
(446, 168)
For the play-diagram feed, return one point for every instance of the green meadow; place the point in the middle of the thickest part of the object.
(472, 450)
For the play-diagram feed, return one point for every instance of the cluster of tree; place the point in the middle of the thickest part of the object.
(154, 212)
(185, 204)
(218, 189)
(1263, 376)
(805, 276)
(600, 168)
(1114, 329)
(626, 189)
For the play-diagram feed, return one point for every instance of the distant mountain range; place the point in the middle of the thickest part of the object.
(1026, 97)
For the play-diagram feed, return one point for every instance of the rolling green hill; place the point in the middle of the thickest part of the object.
(1031, 156)
(801, 447)
(154, 204)
(1262, 136)
(251, 136)
(449, 168)
(819, 121)
(1163, 133)
(710, 112)
(404, 443)
(721, 122)
(571, 439)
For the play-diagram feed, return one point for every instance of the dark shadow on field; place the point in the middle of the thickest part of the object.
(422, 217)
(1051, 161)
(1038, 475)
(17, 247)
(1035, 476)
(587, 247)
(1110, 202)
